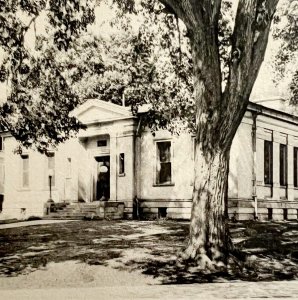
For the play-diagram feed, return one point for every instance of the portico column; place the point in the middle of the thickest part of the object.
(113, 166)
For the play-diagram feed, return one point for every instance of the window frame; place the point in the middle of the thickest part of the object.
(121, 166)
(157, 163)
(53, 181)
(25, 171)
(102, 143)
(283, 165)
(295, 166)
(268, 163)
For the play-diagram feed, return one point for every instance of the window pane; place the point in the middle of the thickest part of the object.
(268, 162)
(164, 151)
(51, 166)
(102, 143)
(165, 173)
(295, 167)
(68, 168)
(164, 165)
(283, 168)
(25, 170)
(121, 163)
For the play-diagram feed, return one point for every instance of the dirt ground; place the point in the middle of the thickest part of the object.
(94, 254)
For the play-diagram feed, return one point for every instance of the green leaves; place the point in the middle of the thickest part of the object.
(68, 19)
(286, 59)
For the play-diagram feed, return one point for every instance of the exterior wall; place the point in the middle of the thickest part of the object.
(248, 195)
(75, 170)
(275, 197)
(176, 197)
(22, 202)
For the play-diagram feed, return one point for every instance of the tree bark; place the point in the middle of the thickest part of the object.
(208, 242)
(219, 113)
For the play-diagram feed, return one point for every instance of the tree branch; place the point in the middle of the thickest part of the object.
(195, 12)
(249, 42)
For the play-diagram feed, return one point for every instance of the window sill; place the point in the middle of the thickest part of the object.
(163, 184)
(268, 185)
(121, 175)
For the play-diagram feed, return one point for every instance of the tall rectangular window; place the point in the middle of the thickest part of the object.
(68, 167)
(295, 167)
(268, 162)
(25, 171)
(164, 163)
(283, 165)
(1, 143)
(51, 167)
(121, 164)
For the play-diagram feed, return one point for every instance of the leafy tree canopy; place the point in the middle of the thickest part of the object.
(147, 61)
(286, 60)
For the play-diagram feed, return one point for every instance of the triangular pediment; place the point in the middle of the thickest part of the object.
(94, 110)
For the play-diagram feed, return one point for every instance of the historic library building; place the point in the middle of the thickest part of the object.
(113, 167)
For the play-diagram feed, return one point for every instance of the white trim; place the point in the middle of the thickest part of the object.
(114, 108)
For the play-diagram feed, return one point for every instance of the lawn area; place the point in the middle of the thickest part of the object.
(270, 249)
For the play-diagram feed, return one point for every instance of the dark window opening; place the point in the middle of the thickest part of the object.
(121, 164)
(268, 162)
(102, 143)
(162, 212)
(283, 165)
(1, 143)
(1, 202)
(295, 167)
(164, 163)
(270, 213)
(285, 213)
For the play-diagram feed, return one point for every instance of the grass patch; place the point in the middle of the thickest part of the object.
(270, 248)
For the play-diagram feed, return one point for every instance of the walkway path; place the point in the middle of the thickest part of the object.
(236, 290)
(31, 223)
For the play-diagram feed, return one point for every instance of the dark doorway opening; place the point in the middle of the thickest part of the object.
(103, 178)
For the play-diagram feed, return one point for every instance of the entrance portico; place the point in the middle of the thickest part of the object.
(106, 172)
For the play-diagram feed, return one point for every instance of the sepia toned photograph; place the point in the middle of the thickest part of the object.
(148, 149)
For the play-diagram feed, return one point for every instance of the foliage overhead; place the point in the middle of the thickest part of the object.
(145, 63)
(286, 32)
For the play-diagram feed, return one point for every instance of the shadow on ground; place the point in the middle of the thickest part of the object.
(270, 249)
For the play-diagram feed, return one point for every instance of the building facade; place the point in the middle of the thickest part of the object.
(112, 160)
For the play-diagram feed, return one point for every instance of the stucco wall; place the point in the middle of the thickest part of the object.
(28, 201)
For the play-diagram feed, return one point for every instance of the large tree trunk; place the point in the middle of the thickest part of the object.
(208, 243)
(219, 113)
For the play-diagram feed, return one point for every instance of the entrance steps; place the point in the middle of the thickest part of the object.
(110, 210)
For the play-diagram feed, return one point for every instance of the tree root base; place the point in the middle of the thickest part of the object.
(201, 263)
